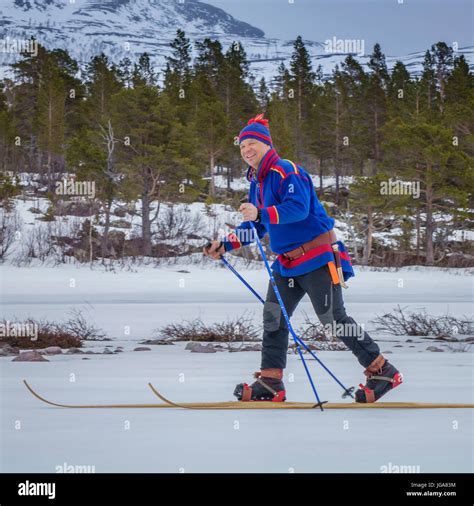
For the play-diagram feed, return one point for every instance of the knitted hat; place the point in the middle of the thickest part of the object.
(257, 128)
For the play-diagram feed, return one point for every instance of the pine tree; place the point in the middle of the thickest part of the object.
(367, 199)
(140, 155)
(102, 82)
(211, 99)
(336, 124)
(301, 75)
(280, 127)
(41, 98)
(184, 162)
(240, 102)
(318, 145)
(282, 81)
(143, 74)
(238, 96)
(6, 133)
(459, 113)
(178, 64)
(424, 153)
(378, 66)
(178, 73)
(355, 124)
(9, 188)
(211, 123)
(401, 93)
(427, 85)
(263, 95)
(210, 62)
(377, 89)
(282, 114)
(301, 82)
(124, 71)
(92, 150)
(51, 115)
(442, 59)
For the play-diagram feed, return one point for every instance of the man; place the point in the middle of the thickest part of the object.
(282, 202)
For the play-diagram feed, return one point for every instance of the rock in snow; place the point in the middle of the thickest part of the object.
(53, 350)
(203, 349)
(73, 351)
(433, 348)
(7, 350)
(30, 356)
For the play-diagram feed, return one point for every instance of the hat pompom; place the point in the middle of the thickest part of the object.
(259, 119)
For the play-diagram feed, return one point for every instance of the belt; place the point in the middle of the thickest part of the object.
(325, 238)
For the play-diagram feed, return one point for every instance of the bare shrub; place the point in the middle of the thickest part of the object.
(176, 222)
(239, 329)
(10, 224)
(78, 326)
(38, 242)
(317, 337)
(423, 324)
(68, 334)
(46, 242)
(48, 334)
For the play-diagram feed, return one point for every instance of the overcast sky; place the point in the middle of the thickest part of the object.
(400, 28)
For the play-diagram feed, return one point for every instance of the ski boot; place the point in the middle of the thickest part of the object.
(267, 387)
(381, 377)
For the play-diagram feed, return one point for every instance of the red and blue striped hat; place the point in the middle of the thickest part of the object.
(257, 128)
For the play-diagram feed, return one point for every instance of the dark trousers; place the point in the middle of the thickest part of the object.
(328, 304)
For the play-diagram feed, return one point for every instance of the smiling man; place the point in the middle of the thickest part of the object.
(284, 204)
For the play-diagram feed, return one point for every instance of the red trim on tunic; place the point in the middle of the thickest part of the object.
(273, 215)
(233, 239)
(267, 164)
(345, 256)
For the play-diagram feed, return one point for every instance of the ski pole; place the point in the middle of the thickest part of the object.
(285, 314)
(295, 337)
(231, 268)
(347, 391)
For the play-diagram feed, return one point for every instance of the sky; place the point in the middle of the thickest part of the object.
(400, 28)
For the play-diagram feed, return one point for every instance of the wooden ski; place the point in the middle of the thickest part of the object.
(253, 405)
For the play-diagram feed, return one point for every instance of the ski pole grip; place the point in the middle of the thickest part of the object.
(209, 244)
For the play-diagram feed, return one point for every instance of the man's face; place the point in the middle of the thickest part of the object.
(252, 151)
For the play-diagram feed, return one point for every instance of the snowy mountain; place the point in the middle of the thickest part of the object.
(105, 16)
(127, 28)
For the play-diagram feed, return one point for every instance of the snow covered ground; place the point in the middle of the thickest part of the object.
(129, 305)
